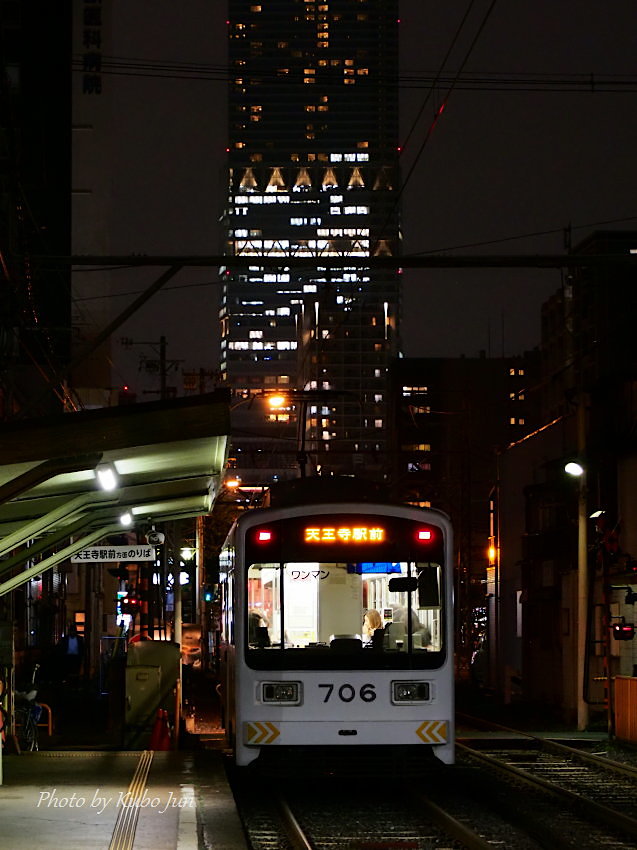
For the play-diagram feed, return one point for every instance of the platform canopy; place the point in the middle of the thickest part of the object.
(167, 457)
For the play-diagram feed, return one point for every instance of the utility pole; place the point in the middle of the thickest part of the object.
(153, 365)
(582, 571)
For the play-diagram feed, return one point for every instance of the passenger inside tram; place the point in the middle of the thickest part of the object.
(372, 606)
(258, 633)
(371, 622)
(421, 634)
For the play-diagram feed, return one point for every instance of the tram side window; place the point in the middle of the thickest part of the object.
(300, 605)
(227, 622)
(226, 570)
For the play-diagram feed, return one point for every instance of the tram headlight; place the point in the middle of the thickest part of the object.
(281, 692)
(410, 692)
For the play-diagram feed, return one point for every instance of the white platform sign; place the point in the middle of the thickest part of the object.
(102, 554)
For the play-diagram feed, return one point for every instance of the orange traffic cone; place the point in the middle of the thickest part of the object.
(155, 735)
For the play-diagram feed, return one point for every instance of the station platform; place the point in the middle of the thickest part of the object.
(91, 800)
(81, 791)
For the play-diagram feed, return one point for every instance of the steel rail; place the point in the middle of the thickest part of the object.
(453, 827)
(551, 745)
(293, 828)
(610, 817)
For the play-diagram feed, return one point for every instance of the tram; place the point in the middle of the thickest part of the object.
(337, 628)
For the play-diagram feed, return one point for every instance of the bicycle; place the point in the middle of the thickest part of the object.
(27, 716)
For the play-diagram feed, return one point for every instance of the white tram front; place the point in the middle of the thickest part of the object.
(337, 629)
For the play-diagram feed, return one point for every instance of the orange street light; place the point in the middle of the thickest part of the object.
(277, 401)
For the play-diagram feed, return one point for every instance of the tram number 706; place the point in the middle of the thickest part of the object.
(347, 693)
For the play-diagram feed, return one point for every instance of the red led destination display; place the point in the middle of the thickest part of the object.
(343, 537)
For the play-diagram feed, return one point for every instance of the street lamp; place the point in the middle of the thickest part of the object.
(301, 398)
(578, 471)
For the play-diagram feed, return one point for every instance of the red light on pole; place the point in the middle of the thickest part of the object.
(623, 631)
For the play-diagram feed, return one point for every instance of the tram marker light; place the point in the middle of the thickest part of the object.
(424, 534)
(264, 536)
(410, 692)
(281, 692)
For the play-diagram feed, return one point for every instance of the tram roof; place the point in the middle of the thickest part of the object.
(168, 456)
(317, 489)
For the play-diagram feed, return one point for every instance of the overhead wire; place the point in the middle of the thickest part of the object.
(467, 81)
(438, 76)
(458, 247)
(445, 101)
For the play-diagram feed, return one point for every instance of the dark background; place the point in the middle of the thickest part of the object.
(499, 165)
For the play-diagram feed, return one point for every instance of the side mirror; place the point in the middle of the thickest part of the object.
(428, 589)
(403, 584)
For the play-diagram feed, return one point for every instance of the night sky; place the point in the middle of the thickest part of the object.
(503, 161)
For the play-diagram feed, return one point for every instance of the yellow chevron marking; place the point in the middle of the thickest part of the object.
(260, 733)
(433, 732)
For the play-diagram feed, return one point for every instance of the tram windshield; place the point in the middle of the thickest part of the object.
(374, 613)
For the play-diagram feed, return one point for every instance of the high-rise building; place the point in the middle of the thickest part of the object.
(35, 220)
(312, 196)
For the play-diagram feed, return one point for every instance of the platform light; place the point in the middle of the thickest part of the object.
(126, 519)
(106, 476)
(574, 468)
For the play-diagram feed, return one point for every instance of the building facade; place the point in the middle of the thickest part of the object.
(35, 215)
(453, 419)
(568, 547)
(312, 199)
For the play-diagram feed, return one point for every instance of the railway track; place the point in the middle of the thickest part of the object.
(592, 800)
(302, 827)
(521, 793)
(340, 816)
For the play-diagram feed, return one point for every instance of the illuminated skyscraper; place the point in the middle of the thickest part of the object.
(313, 156)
